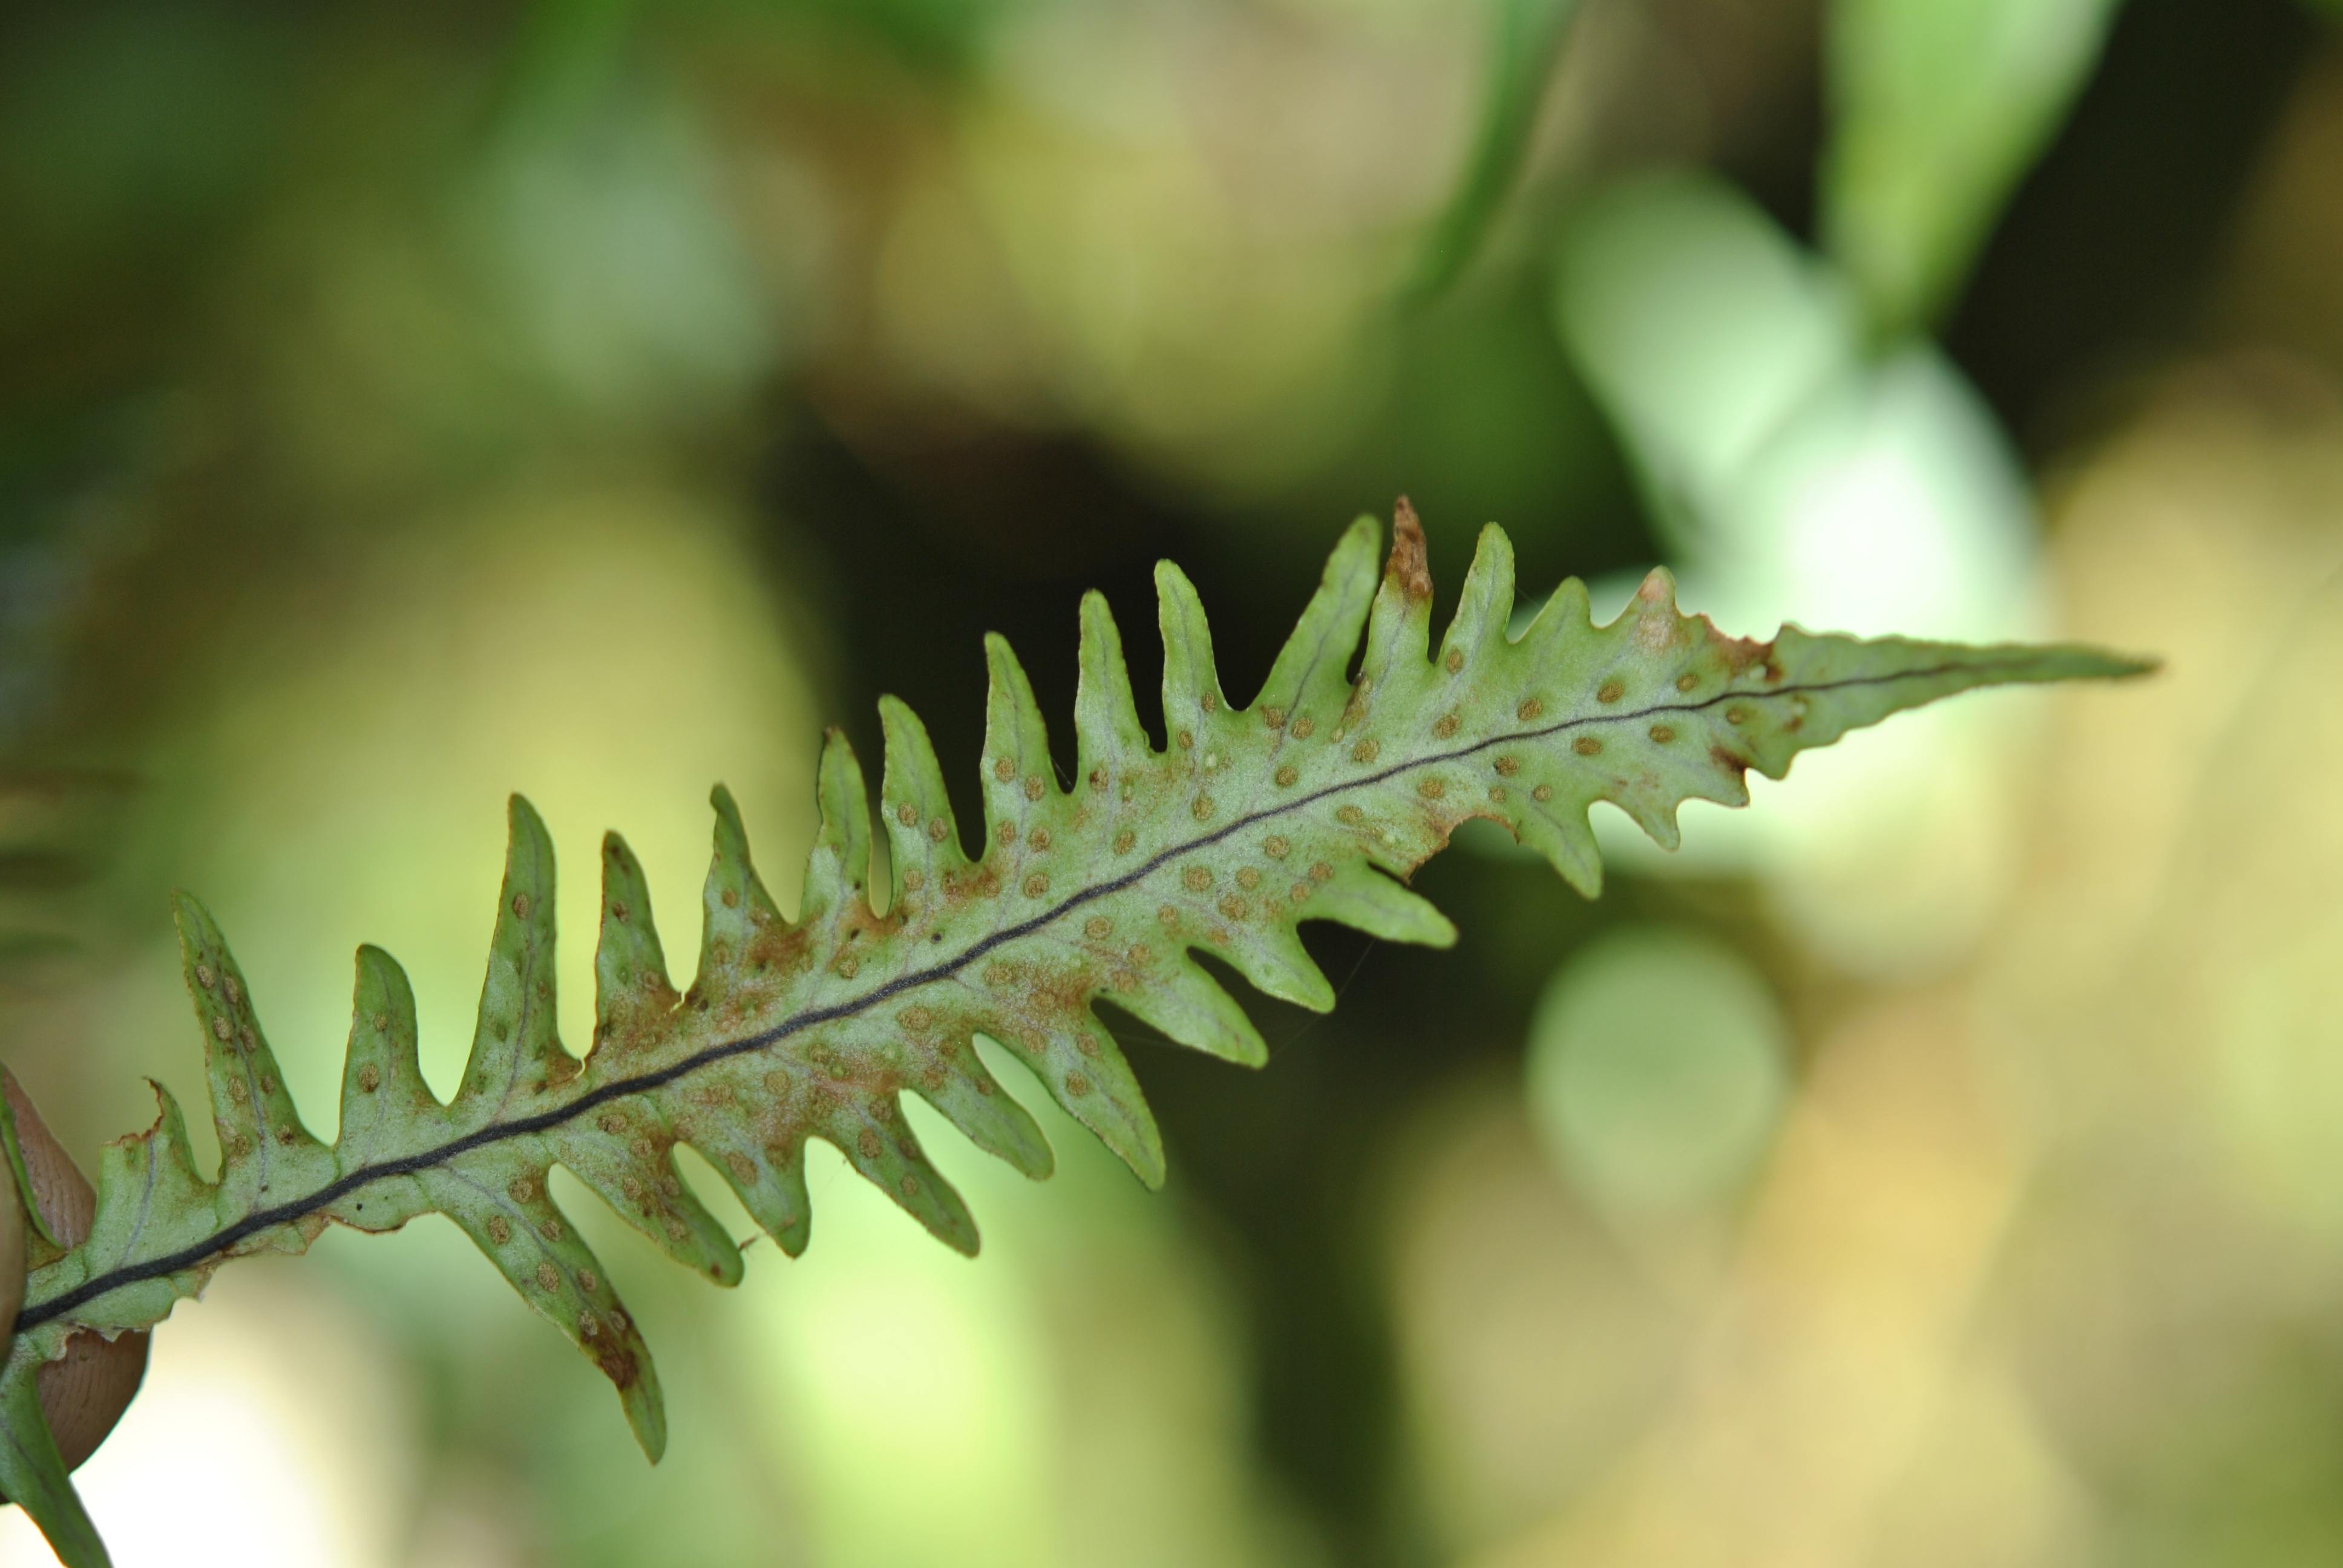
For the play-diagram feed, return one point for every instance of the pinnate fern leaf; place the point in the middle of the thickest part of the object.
(1310, 803)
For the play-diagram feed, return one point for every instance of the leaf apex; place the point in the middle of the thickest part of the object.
(187, 911)
(1408, 566)
(523, 818)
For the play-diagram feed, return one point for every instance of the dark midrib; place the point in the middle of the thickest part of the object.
(37, 1313)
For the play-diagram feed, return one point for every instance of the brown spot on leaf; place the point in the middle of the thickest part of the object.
(1508, 766)
(1036, 884)
(1724, 758)
(1529, 709)
(1123, 842)
(1098, 928)
(1286, 776)
(1455, 661)
(1304, 727)
(1587, 745)
(1431, 788)
(1076, 1085)
(221, 1028)
(1365, 752)
(1542, 792)
(548, 1277)
(523, 1190)
(1662, 734)
(1447, 727)
(1003, 769)
(1204, 807)
(204, 976)
(1033, 788)
(743, 1169)
(499, 1231)
(1248, 878)
(552, 1229)
(519, 908)
(1741, 652)
(370, 1077)
(938, 830)
(1350, 815)
(1497, 794)
(1233, 907)
(1322, 872)
(1274, 718)
(1196, 879)
(916, 1018)
(1276, 846)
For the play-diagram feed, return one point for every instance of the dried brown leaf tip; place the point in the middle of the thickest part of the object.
(1407, 565)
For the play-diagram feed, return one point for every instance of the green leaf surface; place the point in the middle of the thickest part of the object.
(32, 1472)
(22, 1178)
(1311, 803)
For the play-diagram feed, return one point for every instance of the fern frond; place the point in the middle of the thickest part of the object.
(1311, 803)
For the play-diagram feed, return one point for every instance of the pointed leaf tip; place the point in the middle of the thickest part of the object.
(1408, 566)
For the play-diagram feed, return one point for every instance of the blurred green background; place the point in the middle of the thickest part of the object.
(1940, 1166)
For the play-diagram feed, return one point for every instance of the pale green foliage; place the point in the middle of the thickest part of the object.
(1305, 805)
(1940, 106)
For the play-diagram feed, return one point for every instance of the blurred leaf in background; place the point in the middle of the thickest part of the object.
(1662, 1112)
(1938, 109)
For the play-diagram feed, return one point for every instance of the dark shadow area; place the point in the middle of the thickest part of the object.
(2100, 263)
